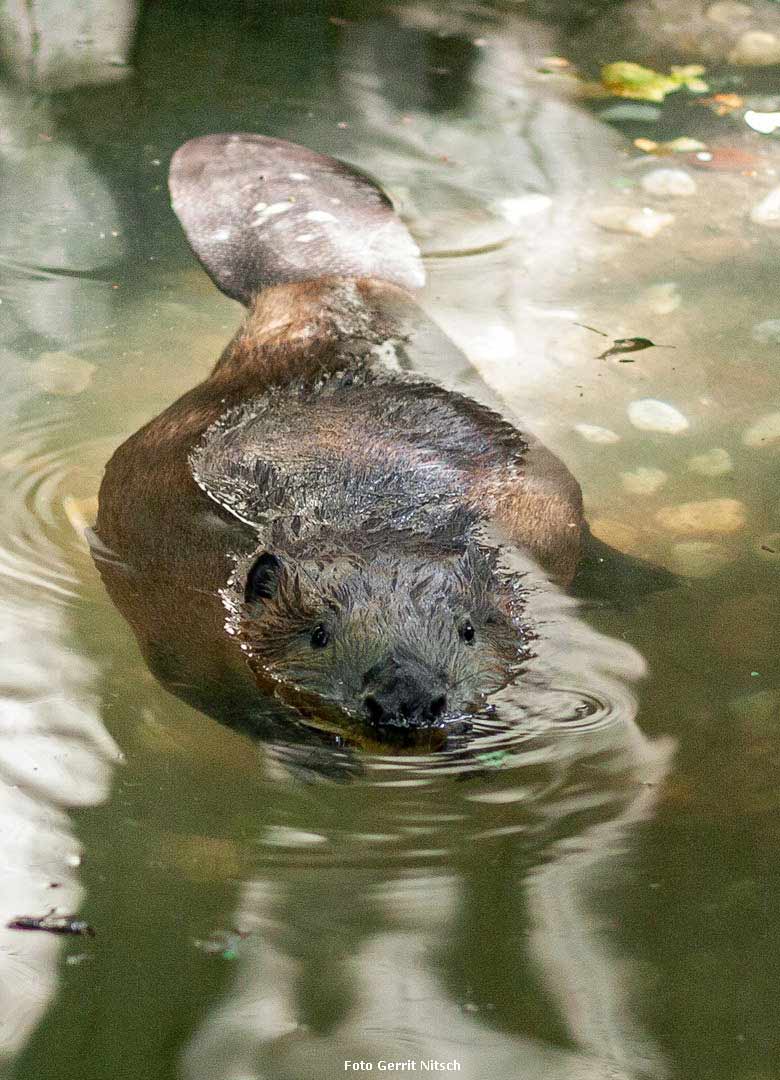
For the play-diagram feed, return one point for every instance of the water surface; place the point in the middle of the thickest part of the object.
(592, 894)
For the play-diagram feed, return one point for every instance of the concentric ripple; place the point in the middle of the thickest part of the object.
(45, 491)
(559, 748)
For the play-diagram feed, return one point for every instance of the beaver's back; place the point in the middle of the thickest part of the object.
(353, 448)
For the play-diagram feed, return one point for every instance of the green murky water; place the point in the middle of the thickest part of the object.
(599, 901)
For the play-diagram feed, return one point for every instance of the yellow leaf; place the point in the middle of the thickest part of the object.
(626, 79)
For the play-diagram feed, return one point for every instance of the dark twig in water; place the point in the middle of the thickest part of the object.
(631, 344)
(624, 345)
(52, 924)
(592, 329)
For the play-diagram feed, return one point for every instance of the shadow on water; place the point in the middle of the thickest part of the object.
(559, 903)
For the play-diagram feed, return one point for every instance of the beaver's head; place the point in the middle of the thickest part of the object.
(398, 640)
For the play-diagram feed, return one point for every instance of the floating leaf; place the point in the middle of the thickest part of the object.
(683, 145)
(626, 79)
(688, 76)
(624, 345)
(723, 104)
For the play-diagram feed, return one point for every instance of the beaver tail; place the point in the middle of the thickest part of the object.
(260, 211)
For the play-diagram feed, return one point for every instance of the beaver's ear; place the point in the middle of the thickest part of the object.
(262, 581)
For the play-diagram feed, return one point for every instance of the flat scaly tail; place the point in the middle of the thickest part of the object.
(260, 211)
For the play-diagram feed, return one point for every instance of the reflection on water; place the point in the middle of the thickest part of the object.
(565, 897)
(460, 932)
(56, 755)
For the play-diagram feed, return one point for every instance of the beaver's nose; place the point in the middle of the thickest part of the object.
(402, 706)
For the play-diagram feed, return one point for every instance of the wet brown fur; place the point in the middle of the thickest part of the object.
(165, 543)
(295, 332)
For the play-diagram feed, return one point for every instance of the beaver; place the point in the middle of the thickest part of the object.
(318, 530)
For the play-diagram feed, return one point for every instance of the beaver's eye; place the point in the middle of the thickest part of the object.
(467, 632)
(319, 637)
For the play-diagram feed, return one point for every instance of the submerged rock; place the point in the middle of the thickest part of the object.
(715, 462)
(663, 298)
(644, 480)
(668, 182)
(729, 13)
(710, 516)
(61, 373)
(767, 212)
(595, 434)
(639, 221)
(739, 33)
(756, 48)
(765, 122)
(765, 431)
(648, 414)
(698, 558)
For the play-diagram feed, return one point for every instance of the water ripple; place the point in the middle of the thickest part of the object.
(45, 510)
